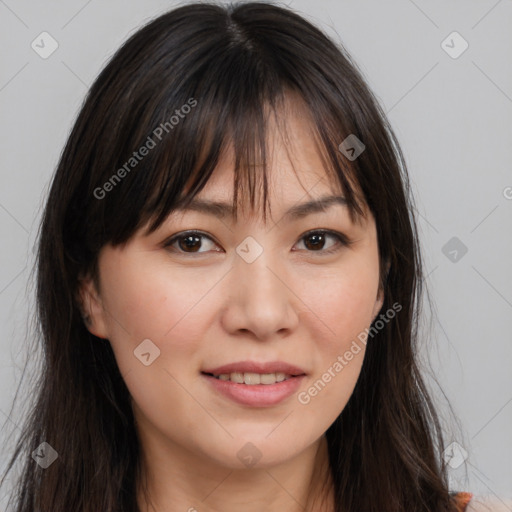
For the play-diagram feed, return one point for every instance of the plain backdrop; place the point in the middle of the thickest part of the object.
(451, 108)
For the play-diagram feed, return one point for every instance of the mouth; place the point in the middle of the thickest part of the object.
(254, 389)
(253, 373)
(252, 378)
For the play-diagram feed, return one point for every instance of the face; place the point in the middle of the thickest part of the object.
(286, 297)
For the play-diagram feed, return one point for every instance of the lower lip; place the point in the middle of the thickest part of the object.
(257, 395)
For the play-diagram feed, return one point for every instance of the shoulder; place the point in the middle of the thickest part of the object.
(481, 504)
(462, 499)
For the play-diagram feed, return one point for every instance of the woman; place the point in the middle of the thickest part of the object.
(201, 352)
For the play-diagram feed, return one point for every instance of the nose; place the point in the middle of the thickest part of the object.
(260, 299)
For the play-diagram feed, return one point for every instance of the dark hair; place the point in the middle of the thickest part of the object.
(230, 66)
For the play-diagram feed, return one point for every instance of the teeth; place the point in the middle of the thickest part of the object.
(237, 377)
(252, 379)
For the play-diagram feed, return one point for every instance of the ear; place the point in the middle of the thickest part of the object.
(92, 309)
(379, 301)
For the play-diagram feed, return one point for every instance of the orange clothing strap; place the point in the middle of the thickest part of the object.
(462, 499)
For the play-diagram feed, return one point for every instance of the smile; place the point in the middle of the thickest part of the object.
(267, 392)
(251, 378)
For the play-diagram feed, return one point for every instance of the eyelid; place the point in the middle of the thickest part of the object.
(181, 234)
(343, 240)
(342, 237)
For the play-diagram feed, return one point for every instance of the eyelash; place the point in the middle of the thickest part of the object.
(342, 240)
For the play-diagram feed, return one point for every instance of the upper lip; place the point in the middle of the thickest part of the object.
(255, 367)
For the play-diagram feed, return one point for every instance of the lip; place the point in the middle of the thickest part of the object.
(255, 367)
(258, 395)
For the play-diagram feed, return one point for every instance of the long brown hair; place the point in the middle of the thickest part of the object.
(226, 64)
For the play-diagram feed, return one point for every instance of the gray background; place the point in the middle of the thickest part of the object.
(453, 117)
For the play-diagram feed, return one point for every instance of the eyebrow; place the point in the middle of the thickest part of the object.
(223, 210)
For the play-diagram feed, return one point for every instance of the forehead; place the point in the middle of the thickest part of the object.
(291, 198)
(295, 175)
(284, 169)
(293, 165)
(286, 180)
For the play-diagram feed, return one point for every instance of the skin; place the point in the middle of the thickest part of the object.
(294, 303)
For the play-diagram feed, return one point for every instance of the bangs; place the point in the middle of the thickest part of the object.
(194, 95)
(244, 135)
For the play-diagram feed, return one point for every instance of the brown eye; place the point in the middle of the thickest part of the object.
(191, 242)
(315, 241)
(188, 242)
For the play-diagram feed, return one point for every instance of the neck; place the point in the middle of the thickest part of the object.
(175, 480)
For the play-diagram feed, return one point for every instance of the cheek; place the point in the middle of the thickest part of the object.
(343, 308)
(144, 303)
(345, 301)
(147, 302)
(345, 311)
